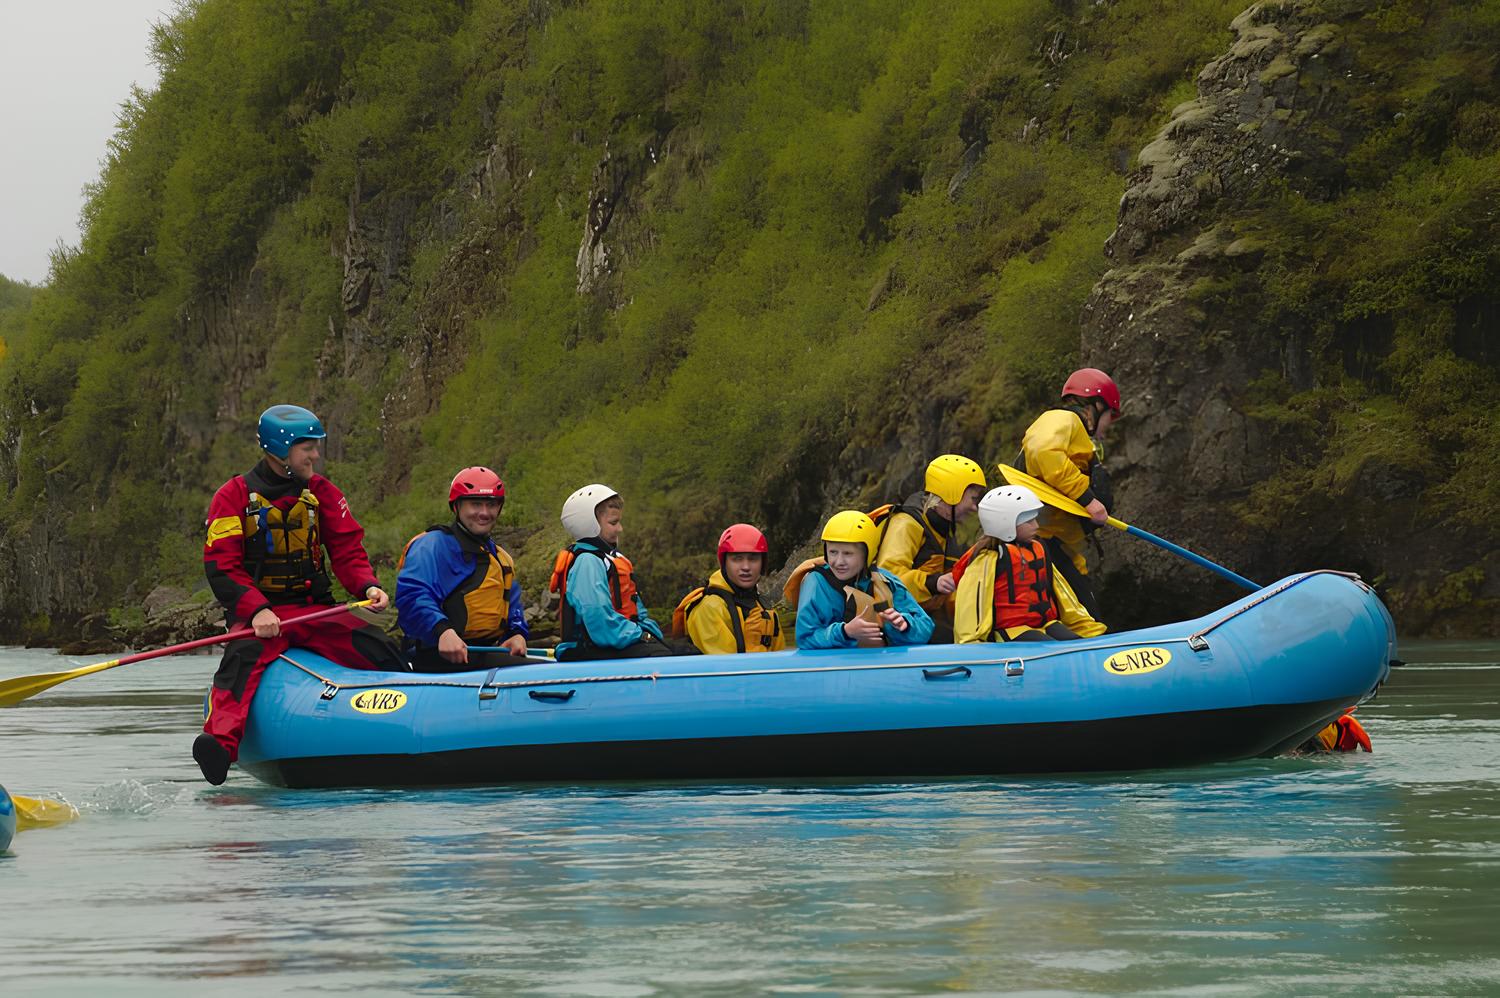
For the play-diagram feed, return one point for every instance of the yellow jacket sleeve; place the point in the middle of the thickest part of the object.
(1071, 612)
(709, 628)
(898, 553)
(974, 609)
(1058, 451)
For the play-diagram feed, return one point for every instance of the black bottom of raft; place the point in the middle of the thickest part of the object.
(1154, 741)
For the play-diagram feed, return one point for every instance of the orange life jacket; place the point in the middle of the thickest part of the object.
(1345, 734)
(1024, 597)
(621, 575)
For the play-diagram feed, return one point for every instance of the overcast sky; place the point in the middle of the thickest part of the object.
(65, 67)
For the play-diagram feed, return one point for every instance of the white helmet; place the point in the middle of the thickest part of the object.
(1002, 509)
(578, 516)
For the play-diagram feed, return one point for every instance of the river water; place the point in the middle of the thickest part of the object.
(1361, 874)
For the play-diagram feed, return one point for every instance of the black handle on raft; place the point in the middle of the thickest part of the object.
(940, 673)
(557, 695)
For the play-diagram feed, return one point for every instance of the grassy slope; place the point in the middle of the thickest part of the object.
(789, 264)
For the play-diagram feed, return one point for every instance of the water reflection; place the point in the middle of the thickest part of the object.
(1370, 873)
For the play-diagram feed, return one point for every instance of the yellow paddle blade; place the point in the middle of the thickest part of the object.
(42, 812)
(1049, 495)
(13, 691)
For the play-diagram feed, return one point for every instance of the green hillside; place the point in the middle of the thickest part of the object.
(741, 261)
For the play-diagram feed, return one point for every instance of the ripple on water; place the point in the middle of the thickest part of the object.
(133, 797)
(1372, 873)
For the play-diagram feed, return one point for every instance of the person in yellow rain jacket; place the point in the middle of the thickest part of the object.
(1007, 589)
(920, 544)
(1061, 448)
(728, 615)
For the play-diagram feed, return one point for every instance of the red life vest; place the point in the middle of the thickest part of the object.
(1023, 587)
(621, 575)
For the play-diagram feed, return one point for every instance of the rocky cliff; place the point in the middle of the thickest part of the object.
(1286, 121)
(764, 267)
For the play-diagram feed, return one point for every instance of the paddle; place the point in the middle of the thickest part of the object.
(1052, 497)
(535, 654)
(13, 691)
(38, 812)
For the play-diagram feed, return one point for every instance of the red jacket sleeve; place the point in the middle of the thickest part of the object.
(224, 552)
(343, 538)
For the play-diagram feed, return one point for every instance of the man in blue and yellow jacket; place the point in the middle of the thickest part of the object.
(456, 587)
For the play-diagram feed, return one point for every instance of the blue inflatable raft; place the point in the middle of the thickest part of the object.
(1255, 678)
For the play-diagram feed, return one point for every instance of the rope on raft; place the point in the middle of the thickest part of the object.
(1195, 641)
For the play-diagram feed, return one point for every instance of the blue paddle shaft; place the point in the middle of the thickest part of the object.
(1195, 558)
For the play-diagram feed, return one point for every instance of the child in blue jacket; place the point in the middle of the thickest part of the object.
(600, 612)
(843, 603)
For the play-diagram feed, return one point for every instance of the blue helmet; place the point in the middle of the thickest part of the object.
(283, 425)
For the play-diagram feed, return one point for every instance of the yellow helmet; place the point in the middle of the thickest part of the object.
(853, 527)
(949, 476)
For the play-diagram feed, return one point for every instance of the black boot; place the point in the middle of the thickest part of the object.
(211, 757)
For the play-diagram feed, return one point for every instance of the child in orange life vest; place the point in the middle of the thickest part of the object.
(1007, 590)
(600, 612)
(728, 615)
(842, 602)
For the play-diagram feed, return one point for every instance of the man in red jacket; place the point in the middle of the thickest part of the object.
(268, 530)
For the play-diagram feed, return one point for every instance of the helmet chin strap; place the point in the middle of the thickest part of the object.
(460, 524)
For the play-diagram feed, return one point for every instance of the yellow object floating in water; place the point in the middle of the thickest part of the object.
(41, 812)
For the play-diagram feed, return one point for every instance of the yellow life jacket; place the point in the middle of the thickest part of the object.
(974, 603)
(478, 608)
(934, 556)
(857, 602)
(755, 630)
(283, 553)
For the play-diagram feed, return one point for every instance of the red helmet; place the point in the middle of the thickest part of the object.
(474, 483)
(1088, 381)
(742, 539)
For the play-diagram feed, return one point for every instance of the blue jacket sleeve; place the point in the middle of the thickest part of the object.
(515, 619)
(645, 619)
(420, 590)
(919, 624)
(588, 591)
(820, 616)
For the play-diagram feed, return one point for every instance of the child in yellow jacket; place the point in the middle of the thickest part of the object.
(729, 615)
